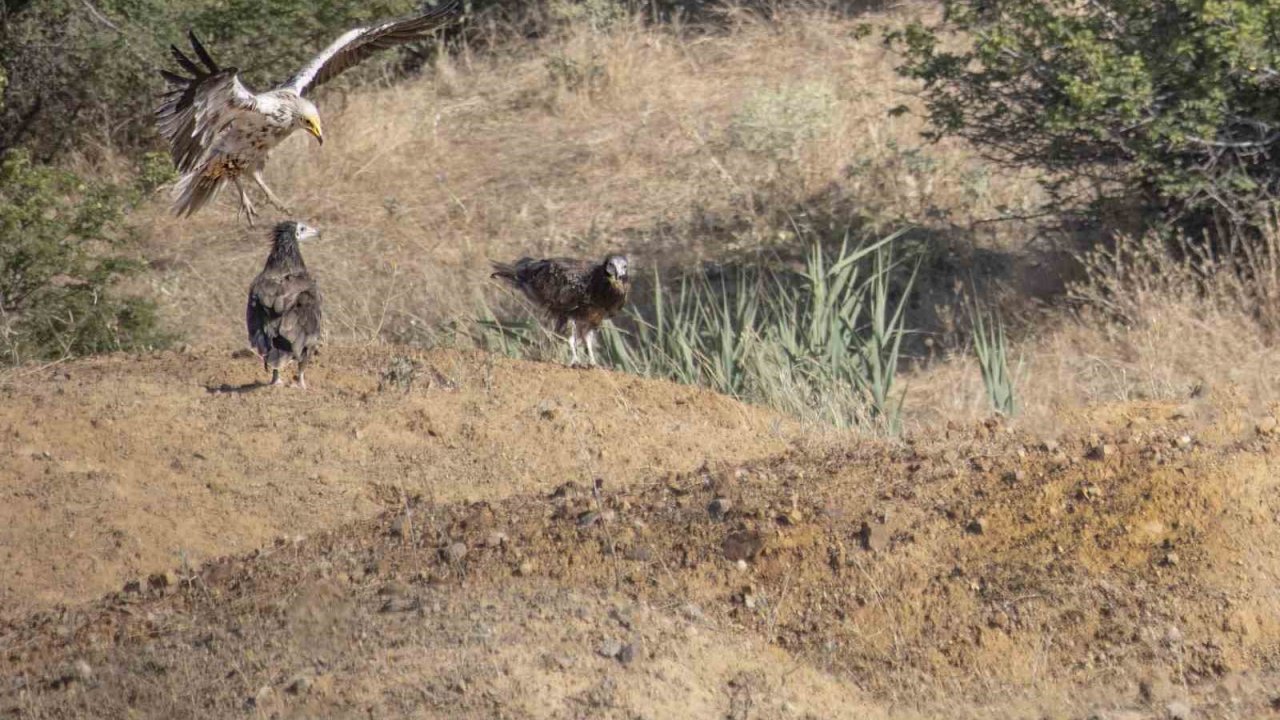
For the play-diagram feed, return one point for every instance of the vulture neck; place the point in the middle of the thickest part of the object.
(285, 255)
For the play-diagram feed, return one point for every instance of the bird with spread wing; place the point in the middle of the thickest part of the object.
(219, 130)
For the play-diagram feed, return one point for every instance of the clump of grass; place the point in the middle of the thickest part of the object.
(823, 343)
(775, 123)
(991, 347)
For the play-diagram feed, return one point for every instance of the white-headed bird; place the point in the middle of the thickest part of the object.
(220, 130)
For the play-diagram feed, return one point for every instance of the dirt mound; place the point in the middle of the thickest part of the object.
(118, 467)
(977, 574)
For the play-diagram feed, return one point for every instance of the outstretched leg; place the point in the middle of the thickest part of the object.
(591, 346)
(271, 196)
(573, 343)
(246, 205)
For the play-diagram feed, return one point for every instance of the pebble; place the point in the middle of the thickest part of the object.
(526, 568)
(1266, 426)
(743, 545)
(1178, 710)
(874, 538)
(718, 508)
(496, 539)
(977, 526)
(455, 552)
(299, 685)
(610, 648)
(627, 654)
(82, 671)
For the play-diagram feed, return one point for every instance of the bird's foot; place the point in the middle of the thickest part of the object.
(249, 212)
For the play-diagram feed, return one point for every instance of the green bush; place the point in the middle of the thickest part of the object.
(89, 71)
(1169, 107)
(57, 271)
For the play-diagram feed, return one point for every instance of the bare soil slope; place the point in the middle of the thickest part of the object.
(118, 467)
(978, 572)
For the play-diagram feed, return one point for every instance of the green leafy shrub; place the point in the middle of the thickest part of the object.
(57, 273)
(1170, 108)
(81, 71)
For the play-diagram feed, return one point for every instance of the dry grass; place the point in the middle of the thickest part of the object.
(584, 141)
(676, 147)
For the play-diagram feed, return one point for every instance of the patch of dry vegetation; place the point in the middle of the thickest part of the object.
(682, 147)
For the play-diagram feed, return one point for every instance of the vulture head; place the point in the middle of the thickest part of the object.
(615, 266)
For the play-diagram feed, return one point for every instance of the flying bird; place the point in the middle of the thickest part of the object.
(283, 315)
(219, 130)
(580, 293)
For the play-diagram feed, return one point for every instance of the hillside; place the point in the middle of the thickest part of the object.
(175, 548)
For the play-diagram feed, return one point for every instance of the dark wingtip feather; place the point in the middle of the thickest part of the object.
(201, 52)
(186, 62)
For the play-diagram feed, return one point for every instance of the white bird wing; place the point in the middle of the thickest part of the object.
(354, 46)
(195, 109)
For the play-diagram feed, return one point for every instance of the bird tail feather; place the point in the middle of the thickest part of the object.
(194, 191)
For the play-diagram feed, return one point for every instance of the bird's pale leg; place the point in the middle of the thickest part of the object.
(257, 178)
(275, 377)
(246, 205)
(302, 381)
(591, 346)
(573, 343)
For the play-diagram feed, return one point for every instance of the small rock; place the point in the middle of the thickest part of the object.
(977, 526)
(874, 538)
(1102, 451)
(526, 568)
(455, 552)
(299, 685)
(162, 580)
(1184, 441)
(496, 539)
(610, 648)
(749, 601)
(1267, 426)
(1178, 710)
(743, 545)
(718, 508)
(1172, 636)
(81, 671)
(243, 353)
(1171, 558)
(1049, 446)
(133, 586)
(627, 654)
(741, 565)
(397, 527)
(588, 518)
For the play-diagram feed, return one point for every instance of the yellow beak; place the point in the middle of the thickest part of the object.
(314, 129)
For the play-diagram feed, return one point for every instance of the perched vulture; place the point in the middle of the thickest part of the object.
(577, 292)
(284, 304)
(220, 130)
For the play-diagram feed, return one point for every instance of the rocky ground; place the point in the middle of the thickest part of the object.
(501, 539)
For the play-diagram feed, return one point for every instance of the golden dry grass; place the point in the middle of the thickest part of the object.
(676, 147)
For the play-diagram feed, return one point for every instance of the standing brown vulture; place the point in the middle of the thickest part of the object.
(580, 293)
(283, 316)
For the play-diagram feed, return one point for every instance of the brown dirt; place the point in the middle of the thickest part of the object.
(122, 466)
(1111, 576)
